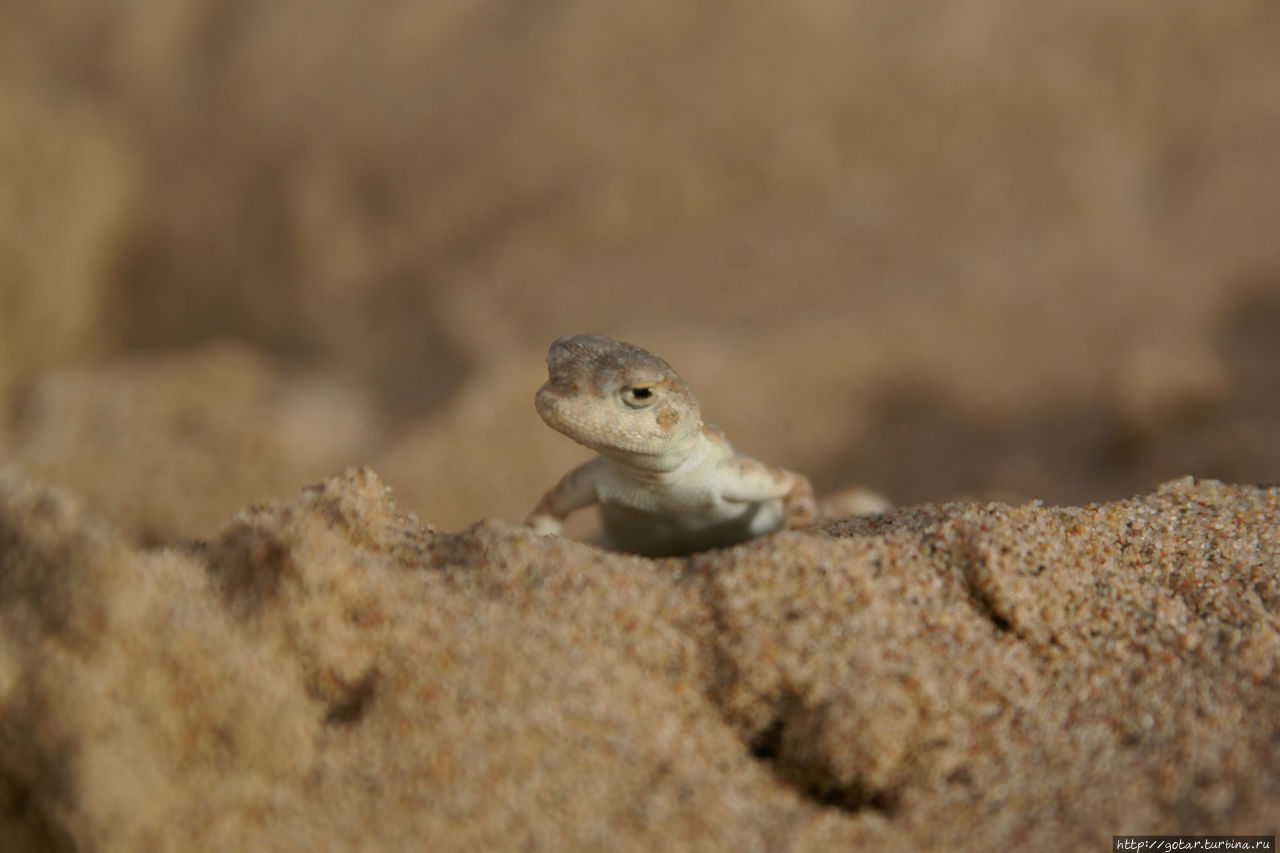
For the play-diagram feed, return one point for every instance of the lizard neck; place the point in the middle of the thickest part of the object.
(672, 462)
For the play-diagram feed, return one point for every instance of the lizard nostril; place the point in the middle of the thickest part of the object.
(561, 386)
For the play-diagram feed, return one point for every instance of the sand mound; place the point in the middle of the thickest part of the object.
(331, 672)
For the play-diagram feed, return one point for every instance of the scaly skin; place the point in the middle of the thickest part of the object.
(666, 483)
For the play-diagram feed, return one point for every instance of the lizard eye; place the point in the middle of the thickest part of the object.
(639, 396)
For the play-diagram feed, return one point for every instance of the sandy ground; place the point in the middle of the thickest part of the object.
(330, 673)
(970, 253)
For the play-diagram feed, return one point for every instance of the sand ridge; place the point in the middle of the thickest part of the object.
(331, 671)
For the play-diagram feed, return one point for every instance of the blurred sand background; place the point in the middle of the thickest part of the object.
(940, 250)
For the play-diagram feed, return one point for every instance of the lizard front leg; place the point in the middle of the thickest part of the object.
(746, 479)
(799, 506)
(575, 490)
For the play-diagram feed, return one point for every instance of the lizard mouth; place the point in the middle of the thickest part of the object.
(553, 402)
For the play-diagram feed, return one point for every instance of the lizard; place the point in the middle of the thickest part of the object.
(666, 483)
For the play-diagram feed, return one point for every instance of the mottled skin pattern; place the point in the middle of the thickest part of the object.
(666, 483)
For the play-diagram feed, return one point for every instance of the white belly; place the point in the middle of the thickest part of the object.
(641, 531)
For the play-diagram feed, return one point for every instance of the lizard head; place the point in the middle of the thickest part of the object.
(616, 398)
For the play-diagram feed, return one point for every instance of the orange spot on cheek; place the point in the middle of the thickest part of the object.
(667, 419)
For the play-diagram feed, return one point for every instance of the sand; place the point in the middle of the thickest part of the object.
(951, 254)
(331, 673)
